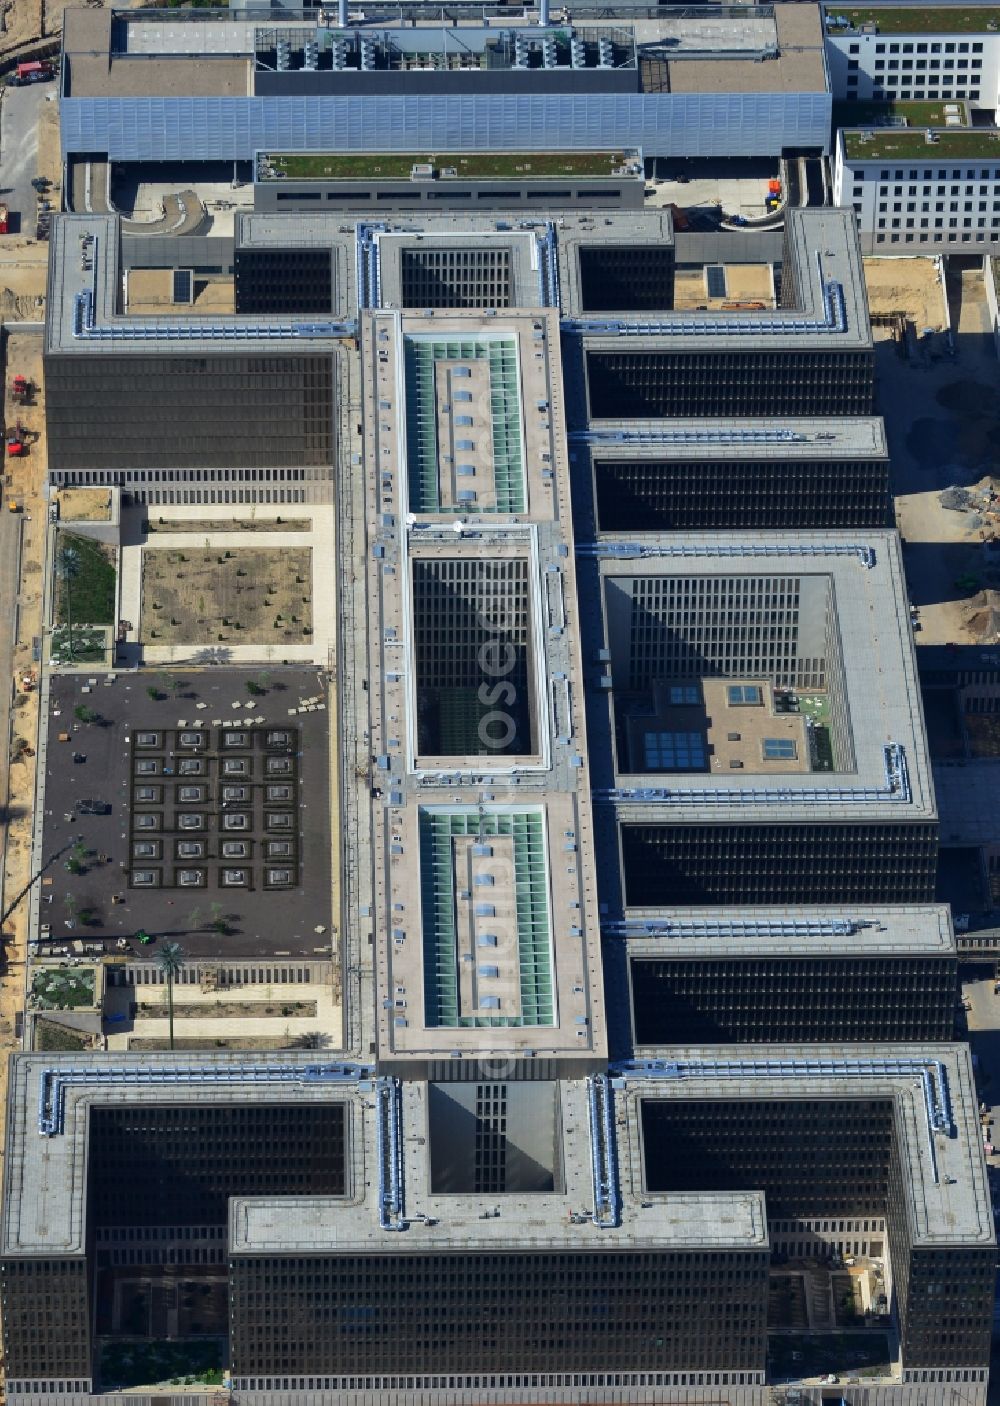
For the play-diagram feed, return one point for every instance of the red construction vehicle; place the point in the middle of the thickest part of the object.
(16, 443)
(34, 71)
(21, 390)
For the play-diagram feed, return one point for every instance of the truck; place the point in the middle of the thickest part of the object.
(33, 71)
(4, 219)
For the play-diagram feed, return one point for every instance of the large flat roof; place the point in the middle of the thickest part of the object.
(82, 314)
(684, 934)
(945, 1183)
(898, 144)
(913, 19)
(502, 372)
(861, 437)
(868, 598)
(822, 261)
(944, 1174)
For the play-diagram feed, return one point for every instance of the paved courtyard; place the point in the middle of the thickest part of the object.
(201, 815)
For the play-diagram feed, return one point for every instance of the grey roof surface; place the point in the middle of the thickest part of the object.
(821, 255)
(879, 666)
(84, 265)
(687, 933)
(860, 437)
(946, 1190)
(45, 1178)
(531, 1222)
(556, 776)
(946, 1205)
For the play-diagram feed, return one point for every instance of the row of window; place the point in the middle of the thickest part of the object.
(884, 89)
(931, 46)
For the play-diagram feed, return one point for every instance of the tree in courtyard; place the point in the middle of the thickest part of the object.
(170, 959)
(68, 569)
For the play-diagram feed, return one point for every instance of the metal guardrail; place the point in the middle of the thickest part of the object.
(389, 1155)
(780, 324)
(86, 327)
(699, 436)
(630, 550)
(603, 1161)
(53, 1083)
(932, 1074)
(735, 927)
(897, 788)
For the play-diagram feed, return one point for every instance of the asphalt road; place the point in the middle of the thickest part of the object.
(19, 112)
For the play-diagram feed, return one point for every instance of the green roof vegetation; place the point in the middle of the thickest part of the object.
(62, 989)
(472, 165)
(894, 143)
(950, 20)
(917, 114)
(86, 588)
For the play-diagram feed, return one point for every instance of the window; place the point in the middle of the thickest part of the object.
(673, 751)
(779, 749)
(744, 695)
(685, 693)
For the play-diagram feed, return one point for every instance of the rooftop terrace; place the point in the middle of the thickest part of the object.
(478, 165)
(949, 19)
(890, 144)
(850, 620)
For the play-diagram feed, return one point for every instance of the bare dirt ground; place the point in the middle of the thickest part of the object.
(26, 479)
(206, 1010)
(909, 286)
(22, 22)
(150, 291)
(217, 524)
(84, 505)
(23, 272)
(209, 1042)
(249, 595)
(744, 283)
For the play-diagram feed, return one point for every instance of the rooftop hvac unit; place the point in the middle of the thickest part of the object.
(605, 53)
(549, 52)
(577, 53)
